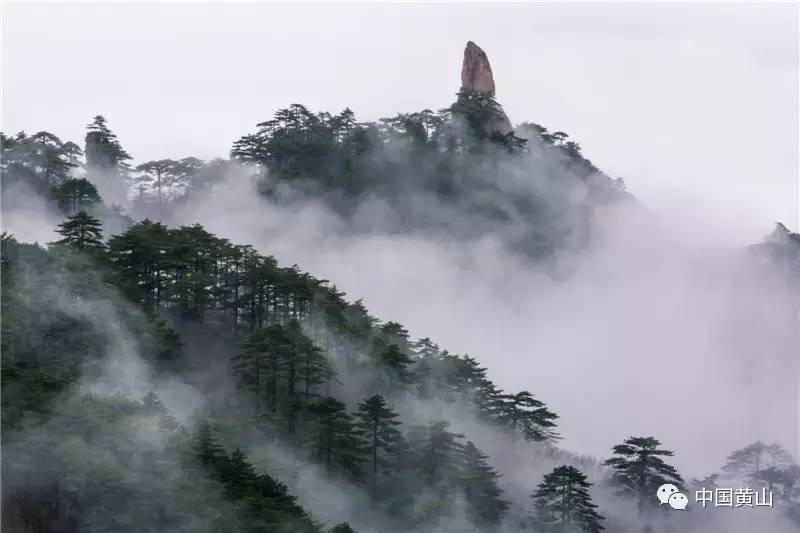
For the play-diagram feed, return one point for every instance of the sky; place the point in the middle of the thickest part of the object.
(690, 104)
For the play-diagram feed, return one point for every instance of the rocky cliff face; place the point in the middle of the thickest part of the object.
(476, 72)
(476, 75)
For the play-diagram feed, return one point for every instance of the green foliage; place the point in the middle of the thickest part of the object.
(103, 149)
(483, 496)
(74, 195)
(767, 465)
(753, 461)
(263, 503)
(333, 439)
(292, 326)
(295, 142)
(161, 174)
(28, 393)
(281, 368)
(41, 160)
(453, 157)
(638, 469)
(190, 271)
(524, 413)
(105, 464)
(480, 111)
(106, 161)
(436, 451)
(390, 352)
(291, 330)
(453, 469)
(81, 231)
(457, 377)
(61, 317)
(377, 425)
(562, 503)
(344, 527)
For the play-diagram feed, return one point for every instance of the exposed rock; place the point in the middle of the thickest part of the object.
(476, 75)
(476, 72)
(780, 234)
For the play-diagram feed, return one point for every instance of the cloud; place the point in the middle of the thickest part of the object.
(661, 327)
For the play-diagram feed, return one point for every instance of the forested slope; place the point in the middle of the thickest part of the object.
(163, 378)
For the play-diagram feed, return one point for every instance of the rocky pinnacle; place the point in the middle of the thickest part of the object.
(476, 75)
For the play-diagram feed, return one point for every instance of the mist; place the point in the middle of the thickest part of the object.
(662, 327)
(647, 306)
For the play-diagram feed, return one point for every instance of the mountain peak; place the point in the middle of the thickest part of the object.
(476, 76)
(476, 72)
(780, 234)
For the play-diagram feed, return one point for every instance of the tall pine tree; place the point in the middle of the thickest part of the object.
(638, 470)
(333, 438)
(481, 491)
(562, 504)
(377, 425)
(81, 231)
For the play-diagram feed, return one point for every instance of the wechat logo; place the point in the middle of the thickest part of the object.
(670, 495)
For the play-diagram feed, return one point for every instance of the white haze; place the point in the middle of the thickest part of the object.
(697, 99)
(27, 216)
(660, 329)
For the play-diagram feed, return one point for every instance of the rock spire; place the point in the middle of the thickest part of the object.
(476, 75)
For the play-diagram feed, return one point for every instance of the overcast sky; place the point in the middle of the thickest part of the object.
(690, 104)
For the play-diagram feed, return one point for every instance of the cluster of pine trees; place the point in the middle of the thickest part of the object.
(293, 335)
(312, 372)
(446, 158)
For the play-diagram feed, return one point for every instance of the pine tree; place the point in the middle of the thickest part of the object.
(55, 158)
(756, 462)
(481, 491)
(711, 482)
(639, 469)
(103, 150)
(106, 160)
(158, 173)
(333, 438)
(278, 492)
(283, 367)
(524, 413)
(395, 333)
(238, 474)
(263, 503)
(344, 527)
(193, 258)
(81, 231)
(193, 174)
(466, 377)
(41, 161)
(153, 405)
(393, 363)
(141, 256)
(377, 426)
(788, 479)
(562, 503)
(205, 445)
(75, 194)
(436, 452)
(314, 370)
(425, 348)
(390, 351)
(304, 364)
(489, 401)
(257, 365)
